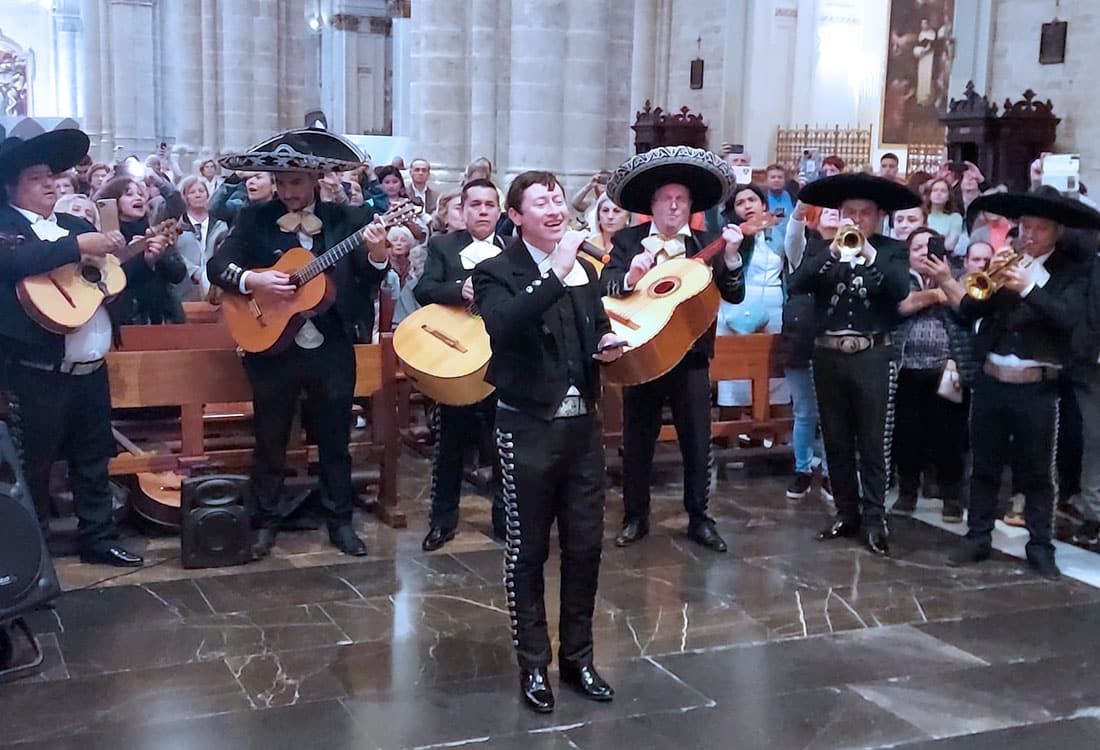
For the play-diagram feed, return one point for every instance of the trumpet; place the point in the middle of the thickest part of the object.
(981, 285)
(849, 241)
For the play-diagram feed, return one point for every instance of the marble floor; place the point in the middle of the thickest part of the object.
(780, 643)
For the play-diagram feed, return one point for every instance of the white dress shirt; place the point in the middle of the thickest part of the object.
(684, 233)
(542, 260)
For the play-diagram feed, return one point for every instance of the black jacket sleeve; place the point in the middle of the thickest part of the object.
(33, 256)
(434, 287)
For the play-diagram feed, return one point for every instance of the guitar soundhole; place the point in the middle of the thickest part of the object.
(91, 274)
(664, 287)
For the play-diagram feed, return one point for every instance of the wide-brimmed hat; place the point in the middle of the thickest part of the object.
(704, 174)
(1070, 213)
(57, 149)
(304, 150)
(830, 192)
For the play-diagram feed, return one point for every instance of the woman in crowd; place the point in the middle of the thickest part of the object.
(211, 175)
(65, 183)
(610, 219)
(393, 185)
(80, 206)
(205, 233)
(448, 213)
(406, 266)
(943, 214)
(764, 259)
(149, 296)
(98, 176)
(239, 190)
(937, 360)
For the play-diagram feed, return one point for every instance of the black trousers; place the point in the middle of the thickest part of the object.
(327, 377)
(551, 471)
(69, 417)
(686, 388)
(855, 395)
(459, 428)
(1017, 424)
(929, 431)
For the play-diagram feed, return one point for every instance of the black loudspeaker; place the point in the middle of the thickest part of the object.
(217, 522)
(27, 576)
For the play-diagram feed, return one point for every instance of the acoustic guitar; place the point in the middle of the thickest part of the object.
(445, 351)
(270, 326)
(156, 494)
(64, 299)
(671, 307)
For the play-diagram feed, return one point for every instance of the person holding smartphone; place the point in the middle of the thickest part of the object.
(934, 348)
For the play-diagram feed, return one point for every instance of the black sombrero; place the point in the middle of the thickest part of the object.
(1069, 213)
(704, 174)
(305, 150)
(57, 149)
(830, 192)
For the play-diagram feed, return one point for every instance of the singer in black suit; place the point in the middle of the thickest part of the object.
(60, 399)
(670, 184)
(447, 281)
(548, 328)
(321, 361)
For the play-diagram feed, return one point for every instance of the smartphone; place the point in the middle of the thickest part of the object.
(936, 247)
(779, 212)
(108, 214)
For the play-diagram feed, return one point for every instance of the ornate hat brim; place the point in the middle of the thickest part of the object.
(284, 161)
(709, 179)
(831, 192)
(1065, 211)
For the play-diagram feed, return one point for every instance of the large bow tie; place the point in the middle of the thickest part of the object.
(664, 248)
(303, 221)
(48, 230)
(477, 251)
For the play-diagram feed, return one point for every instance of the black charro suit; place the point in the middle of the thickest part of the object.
(543, 337)
(459, 426)
(326, 374)
(57, 414)
(686, 387)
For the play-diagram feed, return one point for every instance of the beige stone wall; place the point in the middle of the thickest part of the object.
(1071, 86)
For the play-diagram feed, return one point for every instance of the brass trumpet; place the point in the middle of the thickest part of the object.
(981, 285)
(849, 241)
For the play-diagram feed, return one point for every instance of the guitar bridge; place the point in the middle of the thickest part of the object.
(257, 313)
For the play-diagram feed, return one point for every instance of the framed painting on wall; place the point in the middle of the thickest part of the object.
(921, 48)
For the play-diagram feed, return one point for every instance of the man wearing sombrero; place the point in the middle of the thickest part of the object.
(856, 294)
(1024, 341)
(670, 184)
(60, 396)
(321, 363)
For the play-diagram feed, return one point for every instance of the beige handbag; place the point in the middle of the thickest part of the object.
(950, 386)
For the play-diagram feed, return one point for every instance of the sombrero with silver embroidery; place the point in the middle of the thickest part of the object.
(704, 174)
(304, 150)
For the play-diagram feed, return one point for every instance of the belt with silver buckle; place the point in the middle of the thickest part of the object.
(850, 343)
(65, 368)
(1019, 375)
(572, 406)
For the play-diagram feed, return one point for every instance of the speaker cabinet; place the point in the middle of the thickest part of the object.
(217, 523)
(27, 577)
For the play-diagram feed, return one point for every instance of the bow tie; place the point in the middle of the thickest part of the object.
(477, 251)
(664, 248)
(300, 221)
(48, 229)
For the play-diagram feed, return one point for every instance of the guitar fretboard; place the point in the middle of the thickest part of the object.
(325, 261)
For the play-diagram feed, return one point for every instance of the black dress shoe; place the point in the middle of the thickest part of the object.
(876, 540)
(535, 686)
(970, 550)
(707, 535)
(1042, 562)
(264, 541)
(838, 529)
(436, 538)
(587, 681)
(632, 532)
(344, 538)
(112, 554)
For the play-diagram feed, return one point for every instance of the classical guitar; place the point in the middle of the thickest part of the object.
(156, 494)
(270, 326)
(672, 305)
(64, 299)
(445, 350)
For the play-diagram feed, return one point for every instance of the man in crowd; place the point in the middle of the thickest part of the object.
(420, 174)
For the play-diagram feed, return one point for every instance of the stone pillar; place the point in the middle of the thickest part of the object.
(643, 70)
(93, 82)
(439, 98)
(974, 23)
(237, 70)
(67, 32)
(339, 69)
(537, 127)
(182, 70)
(483, 72)
(208, 118)
(131, 81)
(584, 104)
(264, 89)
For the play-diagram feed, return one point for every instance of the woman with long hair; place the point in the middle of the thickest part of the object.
(944, 215)
(393, 185)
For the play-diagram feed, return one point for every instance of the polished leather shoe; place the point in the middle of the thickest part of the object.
(838, 529)
(436, 538)
(707, 535)
(535, 686)
(264, 541)
(632, 532)
(970, 550)
(345, 539)
(112, 554)
(1042, 562)
(587, 681)
(877, 540)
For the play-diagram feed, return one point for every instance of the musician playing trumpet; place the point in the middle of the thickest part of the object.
(1024, 343)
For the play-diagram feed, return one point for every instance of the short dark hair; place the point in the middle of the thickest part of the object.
(889, 155)
(922, 230)
(480, 182)
(525, 180)
(775, 167)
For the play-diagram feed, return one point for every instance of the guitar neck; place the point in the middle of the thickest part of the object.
(325, 261)
(707, 253)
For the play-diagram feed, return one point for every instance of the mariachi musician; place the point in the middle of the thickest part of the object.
(321, 360)
(1027, 317)
(671, 183)
(857, 288)
(57, 384)
(447, 281)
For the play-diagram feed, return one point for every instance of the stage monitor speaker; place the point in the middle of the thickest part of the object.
(27, 576)
(217, 522)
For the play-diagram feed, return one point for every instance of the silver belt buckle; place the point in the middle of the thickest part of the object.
(853, 344)
(571, 406)
(80, 368)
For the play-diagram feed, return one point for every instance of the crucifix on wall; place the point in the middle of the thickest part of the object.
(697, 67)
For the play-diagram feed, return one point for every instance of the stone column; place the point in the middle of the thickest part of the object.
(339, 70)
(537, 128)
(67, 32)
(93, 82)
(643, 72)
(483, 72)
(974, 23)
(131, 81)
(181, 74)
(584, 105)
(264, 88)
(237, 69)
(439, 94)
